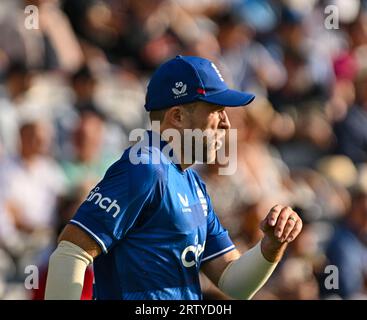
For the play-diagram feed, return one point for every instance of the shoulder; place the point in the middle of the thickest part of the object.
(9, 163)
(49, 165)
(342, 240)
(355, 115)
(141, 170)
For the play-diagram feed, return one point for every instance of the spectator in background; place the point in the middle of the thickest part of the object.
(351, 66)
(83, 85)
(52, 45)
(347, 249)
(249, 63)
(351, 132)
(65, 210)
(30, 185)
(55, 45)
(264, 171)
(86, 164)
(137, 34)
(17, 82)
(86, 97)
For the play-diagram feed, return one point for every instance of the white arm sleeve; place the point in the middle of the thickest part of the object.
(66, 272)
(245, 276)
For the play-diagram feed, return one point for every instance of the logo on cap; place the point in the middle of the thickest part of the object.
(180, 90)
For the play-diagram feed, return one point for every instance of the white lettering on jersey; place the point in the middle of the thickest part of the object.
(204, 204)
(105, 203)
(197, 250)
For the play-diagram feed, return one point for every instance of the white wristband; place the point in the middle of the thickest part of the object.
(246, 275)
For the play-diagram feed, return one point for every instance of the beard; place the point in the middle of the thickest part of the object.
(202, 150)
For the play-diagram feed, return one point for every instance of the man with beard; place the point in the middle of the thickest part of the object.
(148, 227)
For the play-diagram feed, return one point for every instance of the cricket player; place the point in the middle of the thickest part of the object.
(148, 226)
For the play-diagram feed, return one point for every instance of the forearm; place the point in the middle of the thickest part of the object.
(272, 250)
(66, 272)
(245, 276)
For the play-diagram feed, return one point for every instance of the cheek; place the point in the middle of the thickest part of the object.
(205, 121)
(212, 122)
(197, 123)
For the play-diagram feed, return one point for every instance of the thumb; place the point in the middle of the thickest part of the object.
(264, 225)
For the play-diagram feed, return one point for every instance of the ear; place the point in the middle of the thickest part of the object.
(175, 117)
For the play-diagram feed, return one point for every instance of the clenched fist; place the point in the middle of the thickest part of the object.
(281, 226)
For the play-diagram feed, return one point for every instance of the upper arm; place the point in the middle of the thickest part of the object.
(79, 237)
(213, 269)
(117, 202)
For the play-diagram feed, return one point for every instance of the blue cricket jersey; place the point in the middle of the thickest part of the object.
(155, 224)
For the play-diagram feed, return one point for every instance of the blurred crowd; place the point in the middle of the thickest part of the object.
(73, 89)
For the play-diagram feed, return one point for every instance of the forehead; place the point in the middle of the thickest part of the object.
(208, 107)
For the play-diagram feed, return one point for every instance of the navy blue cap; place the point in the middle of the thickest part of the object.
(188, 79)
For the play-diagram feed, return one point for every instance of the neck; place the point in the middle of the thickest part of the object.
(86, 155)
(178, 149)
(28, 157)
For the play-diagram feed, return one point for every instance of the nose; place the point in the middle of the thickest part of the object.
(224, 120)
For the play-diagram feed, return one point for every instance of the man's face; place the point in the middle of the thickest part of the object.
(212, 121)
(88, 136)
(36, 138)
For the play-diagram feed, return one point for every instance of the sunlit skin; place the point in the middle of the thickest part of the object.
(203, 116)
(280, 226)
(277, 226)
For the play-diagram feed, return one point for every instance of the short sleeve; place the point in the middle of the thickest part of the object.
(119, 199)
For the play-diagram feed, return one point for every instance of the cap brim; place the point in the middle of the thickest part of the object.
(229, 98)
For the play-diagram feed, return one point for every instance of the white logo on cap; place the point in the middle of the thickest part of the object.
(217, 71)
(180, 90)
